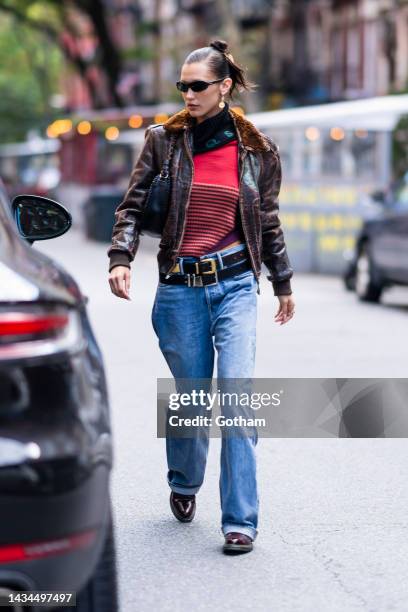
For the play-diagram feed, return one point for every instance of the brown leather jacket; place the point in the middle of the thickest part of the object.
(259, 185)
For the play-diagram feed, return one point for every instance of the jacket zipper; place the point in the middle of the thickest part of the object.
(188, 201)
(243, 223)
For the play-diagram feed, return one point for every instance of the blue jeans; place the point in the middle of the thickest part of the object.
(189, 323)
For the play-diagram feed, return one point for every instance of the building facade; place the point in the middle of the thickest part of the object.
(328, 50)
(298, 51)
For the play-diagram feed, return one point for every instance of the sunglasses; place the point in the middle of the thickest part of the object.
(195, 85)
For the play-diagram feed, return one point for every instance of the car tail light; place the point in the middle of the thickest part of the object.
(27, 325)
(37, 550)
(37, 330)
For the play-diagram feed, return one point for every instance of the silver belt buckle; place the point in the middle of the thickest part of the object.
(197, 281)
(194, 281)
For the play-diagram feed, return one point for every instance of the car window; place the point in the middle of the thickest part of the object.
(401, 197)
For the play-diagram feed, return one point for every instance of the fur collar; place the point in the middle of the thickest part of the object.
(251, 137)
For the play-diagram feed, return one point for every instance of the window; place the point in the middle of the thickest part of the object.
(331, 155)
(363, 147)
(401, 199)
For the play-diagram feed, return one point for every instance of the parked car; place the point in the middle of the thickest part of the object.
(56, 527)
(380, 259)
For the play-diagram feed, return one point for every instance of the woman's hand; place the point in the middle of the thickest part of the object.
(119, 280)
(286, 309)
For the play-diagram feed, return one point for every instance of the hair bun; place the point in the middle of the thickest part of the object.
(220, 45)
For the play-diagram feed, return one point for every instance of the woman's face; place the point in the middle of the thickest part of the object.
(203, 104)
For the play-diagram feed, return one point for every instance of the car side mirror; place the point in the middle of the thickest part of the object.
(39, 218)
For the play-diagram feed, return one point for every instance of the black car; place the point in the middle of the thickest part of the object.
(56, 531)
(380, 259)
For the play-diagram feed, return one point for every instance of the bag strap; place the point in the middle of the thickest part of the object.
(165, 169)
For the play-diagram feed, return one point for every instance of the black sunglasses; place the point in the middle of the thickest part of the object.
(195, 85)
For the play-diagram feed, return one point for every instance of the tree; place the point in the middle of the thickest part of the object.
(57, 21)
(29, 73)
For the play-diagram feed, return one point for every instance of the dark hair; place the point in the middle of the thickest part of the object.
(222, 64)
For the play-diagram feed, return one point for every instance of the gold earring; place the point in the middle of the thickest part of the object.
(222, 103)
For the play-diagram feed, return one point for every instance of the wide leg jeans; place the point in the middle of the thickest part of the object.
(191, 323)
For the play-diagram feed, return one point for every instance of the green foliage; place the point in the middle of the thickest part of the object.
(141, 53)
(30, 66)
(146, 27)
(145, 51)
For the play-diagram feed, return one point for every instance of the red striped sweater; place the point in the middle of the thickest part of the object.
(212, 214)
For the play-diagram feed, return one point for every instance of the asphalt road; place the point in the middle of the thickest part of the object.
(333, 522)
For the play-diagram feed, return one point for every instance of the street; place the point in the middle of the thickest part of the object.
(332, 530)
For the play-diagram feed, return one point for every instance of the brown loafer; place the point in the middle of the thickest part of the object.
(183, 506)
(237, 543)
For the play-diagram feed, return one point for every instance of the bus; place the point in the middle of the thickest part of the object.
(334, 157)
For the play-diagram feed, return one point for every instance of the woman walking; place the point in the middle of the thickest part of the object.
(222, 224)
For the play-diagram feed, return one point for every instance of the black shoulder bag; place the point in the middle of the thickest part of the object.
(158, 198)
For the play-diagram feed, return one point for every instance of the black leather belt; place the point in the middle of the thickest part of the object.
(207, 271)
(207, 265)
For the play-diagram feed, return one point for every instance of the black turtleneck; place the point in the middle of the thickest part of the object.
(214, 131)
